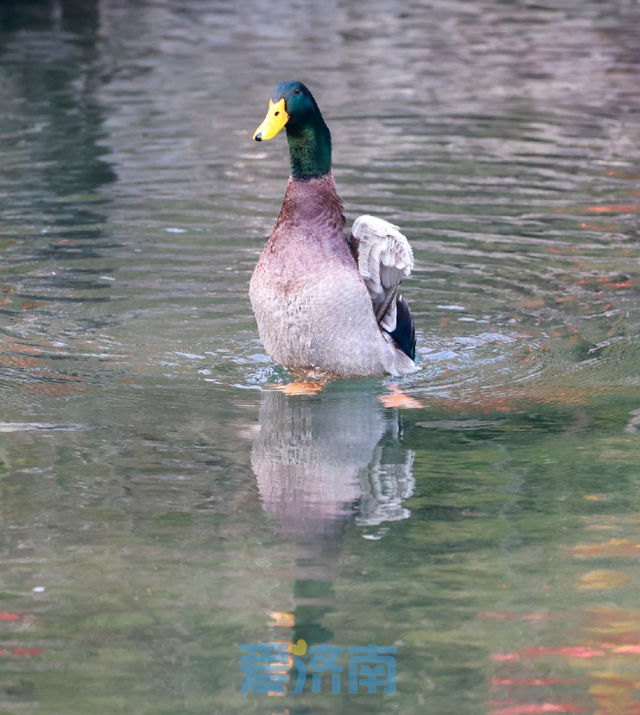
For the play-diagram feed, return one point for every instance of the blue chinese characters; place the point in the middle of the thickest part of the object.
(267, 668)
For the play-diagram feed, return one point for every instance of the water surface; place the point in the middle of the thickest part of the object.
(163, 502)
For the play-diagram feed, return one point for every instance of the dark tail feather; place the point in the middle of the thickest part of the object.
(404, 336)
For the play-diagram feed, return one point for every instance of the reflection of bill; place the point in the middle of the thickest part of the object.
(314, 457)
(267, 668)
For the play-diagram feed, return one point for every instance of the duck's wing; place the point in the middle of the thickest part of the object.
(384, 258)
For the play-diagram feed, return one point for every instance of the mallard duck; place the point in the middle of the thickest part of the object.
(322, 301)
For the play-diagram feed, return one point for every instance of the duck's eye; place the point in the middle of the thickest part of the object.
(296, 91)
(276, 114)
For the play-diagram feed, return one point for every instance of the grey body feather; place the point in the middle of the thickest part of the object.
(314, 306)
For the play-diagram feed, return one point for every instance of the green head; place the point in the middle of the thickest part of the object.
(293, 106)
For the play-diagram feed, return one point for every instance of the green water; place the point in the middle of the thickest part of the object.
(162, 502)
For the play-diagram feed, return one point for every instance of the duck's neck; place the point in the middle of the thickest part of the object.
(309, 148)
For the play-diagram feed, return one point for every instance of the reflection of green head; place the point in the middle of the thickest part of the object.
(309, 617)
(309, 625)
(309, 137)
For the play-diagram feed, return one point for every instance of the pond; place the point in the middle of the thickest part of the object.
(165, 501)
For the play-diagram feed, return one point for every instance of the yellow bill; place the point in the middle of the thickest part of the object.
(274, 121)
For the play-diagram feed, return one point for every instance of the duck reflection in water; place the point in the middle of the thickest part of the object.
(321, 461)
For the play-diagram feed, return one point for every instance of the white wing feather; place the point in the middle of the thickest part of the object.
(384, 259)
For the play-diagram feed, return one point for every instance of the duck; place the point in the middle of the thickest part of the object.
(322, 301)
